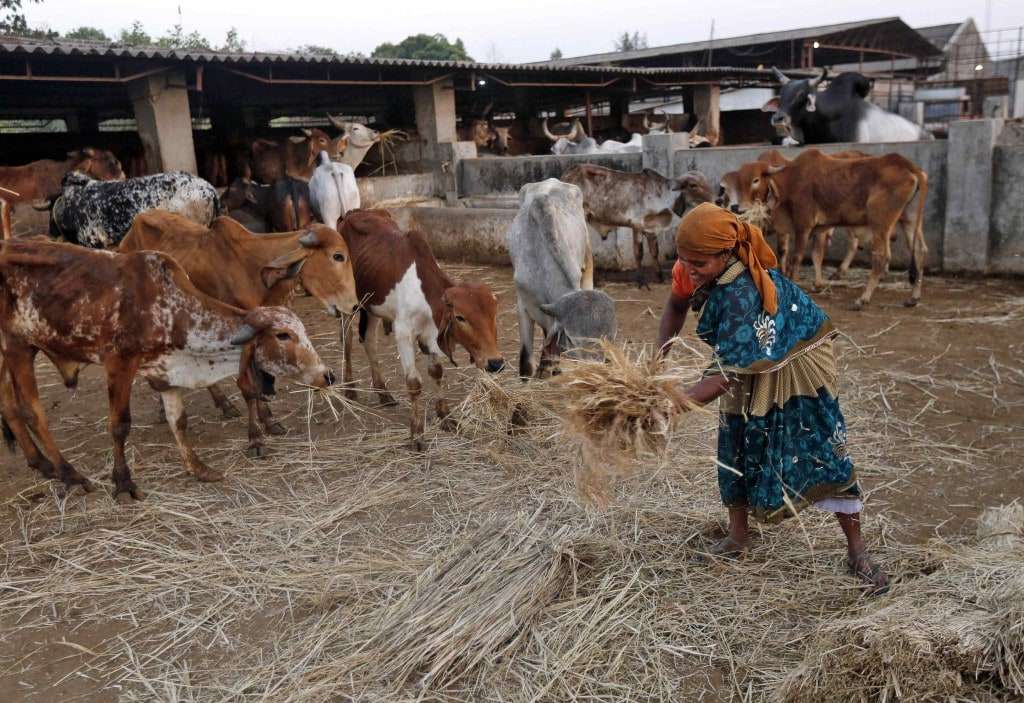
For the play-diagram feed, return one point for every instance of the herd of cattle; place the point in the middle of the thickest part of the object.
(162, 276)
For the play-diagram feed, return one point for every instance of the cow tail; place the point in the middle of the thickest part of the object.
(293, 191)
(920, 247)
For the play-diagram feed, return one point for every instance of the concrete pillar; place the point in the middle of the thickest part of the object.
(659, 150)
(435, 116)
(165, 122)
(705, 107)
(969, 194)
(448, 158)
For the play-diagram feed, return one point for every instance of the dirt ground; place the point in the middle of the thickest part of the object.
(949, 371)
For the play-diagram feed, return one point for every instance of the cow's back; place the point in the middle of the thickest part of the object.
(381, 253)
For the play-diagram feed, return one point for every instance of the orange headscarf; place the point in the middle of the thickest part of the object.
(708, 229)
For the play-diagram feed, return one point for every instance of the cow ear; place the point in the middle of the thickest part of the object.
(309, 240)
(770, 106)
(549, 309)
(307, 132)
(284, 267)
(296, 140)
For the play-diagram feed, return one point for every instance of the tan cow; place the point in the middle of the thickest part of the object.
(816, 192)
(398, 278)
(239, 268)
(293, 156)
(136, 314)
(39, 180)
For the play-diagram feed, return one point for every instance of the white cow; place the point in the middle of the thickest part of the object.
(333, 190)
(553, 271)
(358, 140)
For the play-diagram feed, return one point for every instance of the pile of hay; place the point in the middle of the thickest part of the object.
(757, 215)
(506, 407)
(951, 633)
(474, 605)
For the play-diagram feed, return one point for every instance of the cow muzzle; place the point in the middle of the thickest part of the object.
(267, 384)
(495, 365)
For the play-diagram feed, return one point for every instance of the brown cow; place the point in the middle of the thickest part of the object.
(39, 180)
(294, 156)
(644, 202)
(730, 186)
(400, 281)
(134, 313)
(239, 268)
(815, 192)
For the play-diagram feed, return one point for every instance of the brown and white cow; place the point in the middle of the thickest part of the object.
(398, 278)
(136, 314)
(644, 202)
(235, 266)
(815, 192)
(39, 180)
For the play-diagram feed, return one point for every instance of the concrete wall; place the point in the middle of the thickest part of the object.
(929, 156)
(507, 175)
(381, 189)
(477, 235)
(1006, 254)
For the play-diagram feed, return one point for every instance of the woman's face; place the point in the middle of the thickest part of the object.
(703, 267)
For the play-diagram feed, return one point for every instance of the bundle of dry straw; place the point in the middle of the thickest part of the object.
(946, 634)
(757, 215)
(473, 606)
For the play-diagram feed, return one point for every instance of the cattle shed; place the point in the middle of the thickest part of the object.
(183, 100)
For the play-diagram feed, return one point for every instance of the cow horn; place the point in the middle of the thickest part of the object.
(309, 240)
(783, 78)
(338, 124)
(42, 205)
(813, 83)
(647, 122)
(308, 132)
(487, 110)
(245, 334)
(547, 131)
(578, 130)
(772, 170)
(668, 122)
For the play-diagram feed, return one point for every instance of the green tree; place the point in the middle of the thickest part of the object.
(135, 35)
(232, 42)
(556, 54)
(177, 39)
(88, 33)
(12, 21)
(316, 50)
(423, 46)
(631, 42)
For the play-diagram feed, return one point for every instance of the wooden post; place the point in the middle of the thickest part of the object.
(590, 117)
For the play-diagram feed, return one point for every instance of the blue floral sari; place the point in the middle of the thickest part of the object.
(782, 436)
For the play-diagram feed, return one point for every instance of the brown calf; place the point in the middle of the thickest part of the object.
(398, 278)
(815, 192)
(134, 313)
(239, 268)
(39, 180)
(292, 156)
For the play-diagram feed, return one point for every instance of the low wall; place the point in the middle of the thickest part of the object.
(380, 189)
(929, 156)
(1006, 254)
(478, 235)
(507, 175)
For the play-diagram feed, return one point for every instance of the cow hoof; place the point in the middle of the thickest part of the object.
(351, 394)
(386, 400)
(207, 475)
(858, 305)
(277, 429)
(129, 494)
(230, 412)
(256, 451)
(837, 276)
(418, 444)
(912, 303)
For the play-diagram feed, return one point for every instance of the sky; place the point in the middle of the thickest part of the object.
(522, 30)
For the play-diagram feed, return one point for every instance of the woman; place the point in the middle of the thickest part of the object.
(782, 437)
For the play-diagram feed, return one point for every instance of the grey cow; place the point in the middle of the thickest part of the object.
(554, 275)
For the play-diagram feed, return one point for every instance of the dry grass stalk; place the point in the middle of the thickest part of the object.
(475, 605)
(1002, 528)
(757, 215)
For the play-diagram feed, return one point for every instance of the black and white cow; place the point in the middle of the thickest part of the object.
(98, 214)
(840, 113)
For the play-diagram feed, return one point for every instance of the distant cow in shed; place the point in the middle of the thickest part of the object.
(575, 141)
(41, 179)
(333, 191)
(553, 270)
(645, 202)
(815, 192)
(250, 203)
(136, 314)
(99, 214)
(398, 278)
(840, 113)
(290, 208)
(236, 267)
(293, 156)
(356, 141)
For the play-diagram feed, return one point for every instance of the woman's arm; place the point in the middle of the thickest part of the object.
(702, 392)
(672, 320)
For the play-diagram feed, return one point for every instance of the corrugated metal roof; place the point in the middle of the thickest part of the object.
(909, 45)
(939, 34)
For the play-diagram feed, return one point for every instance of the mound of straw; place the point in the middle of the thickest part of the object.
(944, 634)
(502, 407)
(1002, 528)
(474, 605)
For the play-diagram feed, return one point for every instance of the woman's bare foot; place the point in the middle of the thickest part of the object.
(863, 567)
